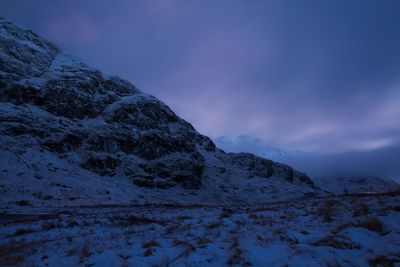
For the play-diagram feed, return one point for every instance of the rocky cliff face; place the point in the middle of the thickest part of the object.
(58, 114)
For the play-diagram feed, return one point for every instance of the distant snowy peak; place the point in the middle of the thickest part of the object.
(244, 143)
(254, 145)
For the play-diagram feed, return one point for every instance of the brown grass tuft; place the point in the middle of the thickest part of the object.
(148, 252)
(23, 231)
(360, 210)
(331, 241)
(225, 213)
(48, 226)
(327, 211)
(237, 256)
(213, 225)
(372, 224)
(85, 253)
(188, 248)
(383, 261)
(203, 241)
(150, 244)
(172, 229)
(72, 224)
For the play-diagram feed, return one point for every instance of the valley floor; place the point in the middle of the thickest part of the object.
(354, 230)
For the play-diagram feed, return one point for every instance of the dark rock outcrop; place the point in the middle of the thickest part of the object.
(259, 166)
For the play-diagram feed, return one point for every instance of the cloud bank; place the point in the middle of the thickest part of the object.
(316, 76)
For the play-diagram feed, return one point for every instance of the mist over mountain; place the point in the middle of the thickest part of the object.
(382, 162)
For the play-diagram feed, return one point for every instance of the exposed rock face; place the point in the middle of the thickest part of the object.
(259, 166)
(56, 104)
(267, 168)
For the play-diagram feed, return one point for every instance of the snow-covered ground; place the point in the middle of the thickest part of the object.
(358, 230)
(357, 185)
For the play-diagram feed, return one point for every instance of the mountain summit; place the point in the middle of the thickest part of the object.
(72, 135)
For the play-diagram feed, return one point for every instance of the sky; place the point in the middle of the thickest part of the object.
(310, 75)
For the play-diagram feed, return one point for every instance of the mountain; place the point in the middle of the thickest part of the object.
(334, 172)
(94, 172)
(254, 145)
(257, 146)
(349, 185)
(71, 135)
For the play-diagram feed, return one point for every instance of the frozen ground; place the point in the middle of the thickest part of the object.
(354, 230)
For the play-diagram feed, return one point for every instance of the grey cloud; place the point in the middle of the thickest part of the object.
(311, 75)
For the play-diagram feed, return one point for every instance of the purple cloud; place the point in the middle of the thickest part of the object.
(311, 76)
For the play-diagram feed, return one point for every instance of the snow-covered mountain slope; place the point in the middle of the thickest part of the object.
(71, 135)
(349, 185)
